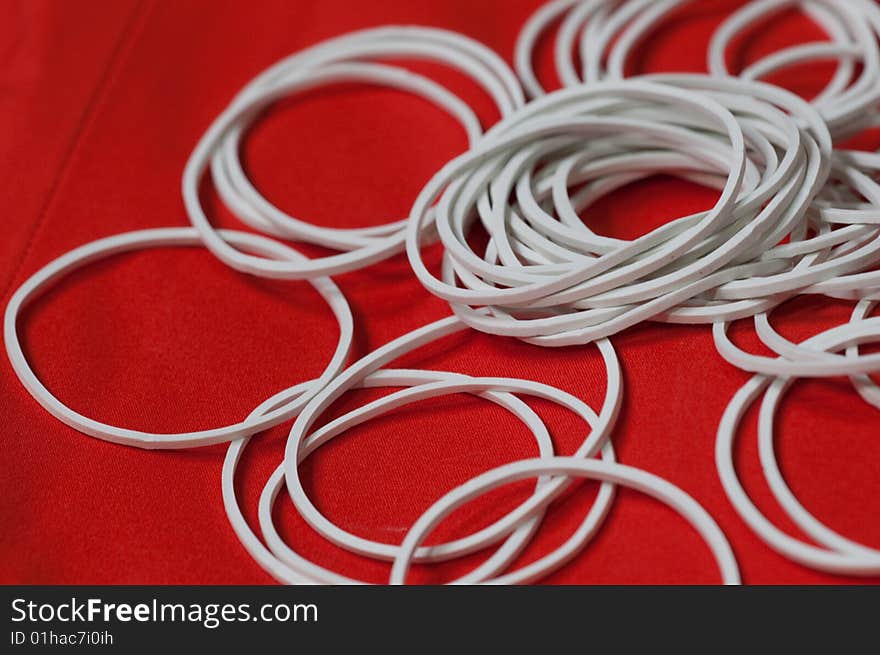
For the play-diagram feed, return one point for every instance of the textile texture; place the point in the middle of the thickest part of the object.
(101, 104)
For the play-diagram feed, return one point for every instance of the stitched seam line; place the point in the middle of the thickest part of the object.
(123, 45)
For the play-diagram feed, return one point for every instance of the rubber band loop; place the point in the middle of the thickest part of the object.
(571, 467)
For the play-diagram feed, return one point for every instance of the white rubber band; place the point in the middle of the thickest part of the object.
(155, 238)
(572, 467)
(546, 278)
(344, 59)
(840, 555)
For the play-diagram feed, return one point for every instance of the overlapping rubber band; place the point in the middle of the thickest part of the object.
(349, 58)
(515, 528)
(596, 469)
(834, 552)
(844, 214)
(547, 278)
(833, 252)
(794, 216)
(605, 34)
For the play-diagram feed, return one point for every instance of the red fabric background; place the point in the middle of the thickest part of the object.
(101, 105)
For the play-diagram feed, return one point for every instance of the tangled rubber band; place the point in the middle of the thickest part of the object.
(835, 553)
(349, 58)
(840, 255)
(794, 216)
(547, 278)
(606, 33)
(834, 252)
(281, 561)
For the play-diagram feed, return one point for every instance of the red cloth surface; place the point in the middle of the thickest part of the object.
(102, 103)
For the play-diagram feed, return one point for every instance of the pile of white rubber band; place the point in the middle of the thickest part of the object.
(794, 216)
